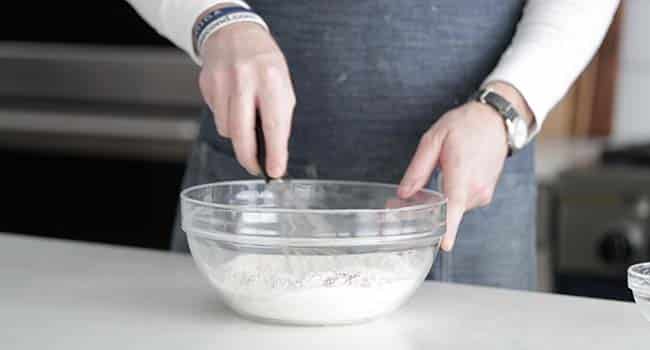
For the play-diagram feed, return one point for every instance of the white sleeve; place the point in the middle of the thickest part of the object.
(553, 43)
(174, 19)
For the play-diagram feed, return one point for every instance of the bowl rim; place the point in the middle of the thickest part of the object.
(441, 200)
(422, 239)
(633, 276)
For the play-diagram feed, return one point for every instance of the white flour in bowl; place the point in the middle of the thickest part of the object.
(318, 289)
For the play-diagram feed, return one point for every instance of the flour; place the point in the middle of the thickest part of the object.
(320, 289)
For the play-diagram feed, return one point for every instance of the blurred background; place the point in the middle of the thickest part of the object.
(96, 120)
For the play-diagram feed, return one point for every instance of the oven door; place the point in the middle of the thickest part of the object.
(128, 101)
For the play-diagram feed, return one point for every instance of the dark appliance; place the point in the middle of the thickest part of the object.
(97, 114)
(602, 223)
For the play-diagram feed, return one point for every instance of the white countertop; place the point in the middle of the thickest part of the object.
(58, 294)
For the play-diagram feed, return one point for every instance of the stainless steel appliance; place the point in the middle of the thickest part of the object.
(133, 101)
(94, 78)
(602, 225)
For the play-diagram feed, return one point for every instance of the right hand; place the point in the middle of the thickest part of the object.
(244, 71)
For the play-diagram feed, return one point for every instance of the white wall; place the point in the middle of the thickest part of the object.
(632, 102)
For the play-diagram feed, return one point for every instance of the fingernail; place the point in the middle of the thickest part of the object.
(276, 171)
(405, 189)
(255, 171)
(447, 245)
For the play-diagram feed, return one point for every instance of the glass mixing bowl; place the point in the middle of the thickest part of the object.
(638, 280)
(312, 252)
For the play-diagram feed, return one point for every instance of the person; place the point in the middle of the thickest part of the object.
(384, 90)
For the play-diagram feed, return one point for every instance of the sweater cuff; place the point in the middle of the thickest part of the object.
(183, 16)
(529, 83)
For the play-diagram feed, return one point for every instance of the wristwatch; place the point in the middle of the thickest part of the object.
(516, 126)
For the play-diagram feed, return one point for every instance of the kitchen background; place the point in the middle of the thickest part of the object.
(97, 113)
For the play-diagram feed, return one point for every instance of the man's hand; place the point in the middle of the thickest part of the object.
(470, 145)
(244, 71)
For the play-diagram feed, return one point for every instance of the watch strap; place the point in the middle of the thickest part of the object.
(501, 105)
(496, 101)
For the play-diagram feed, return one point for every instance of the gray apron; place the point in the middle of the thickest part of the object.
(370, 77)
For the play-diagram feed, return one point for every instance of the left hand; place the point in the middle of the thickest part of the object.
(470, 145)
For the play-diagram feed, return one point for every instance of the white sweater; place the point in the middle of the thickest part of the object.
(554, 41)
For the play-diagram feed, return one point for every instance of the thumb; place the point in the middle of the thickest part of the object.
(424, 161)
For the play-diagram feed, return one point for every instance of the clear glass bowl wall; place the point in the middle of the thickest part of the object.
(311, 225)
(638, 279)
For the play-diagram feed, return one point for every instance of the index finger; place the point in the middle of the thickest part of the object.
(454, 186)
(276, 103)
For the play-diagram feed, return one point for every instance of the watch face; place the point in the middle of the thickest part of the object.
(519, 134)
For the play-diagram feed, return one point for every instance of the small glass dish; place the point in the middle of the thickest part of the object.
(638, 280)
